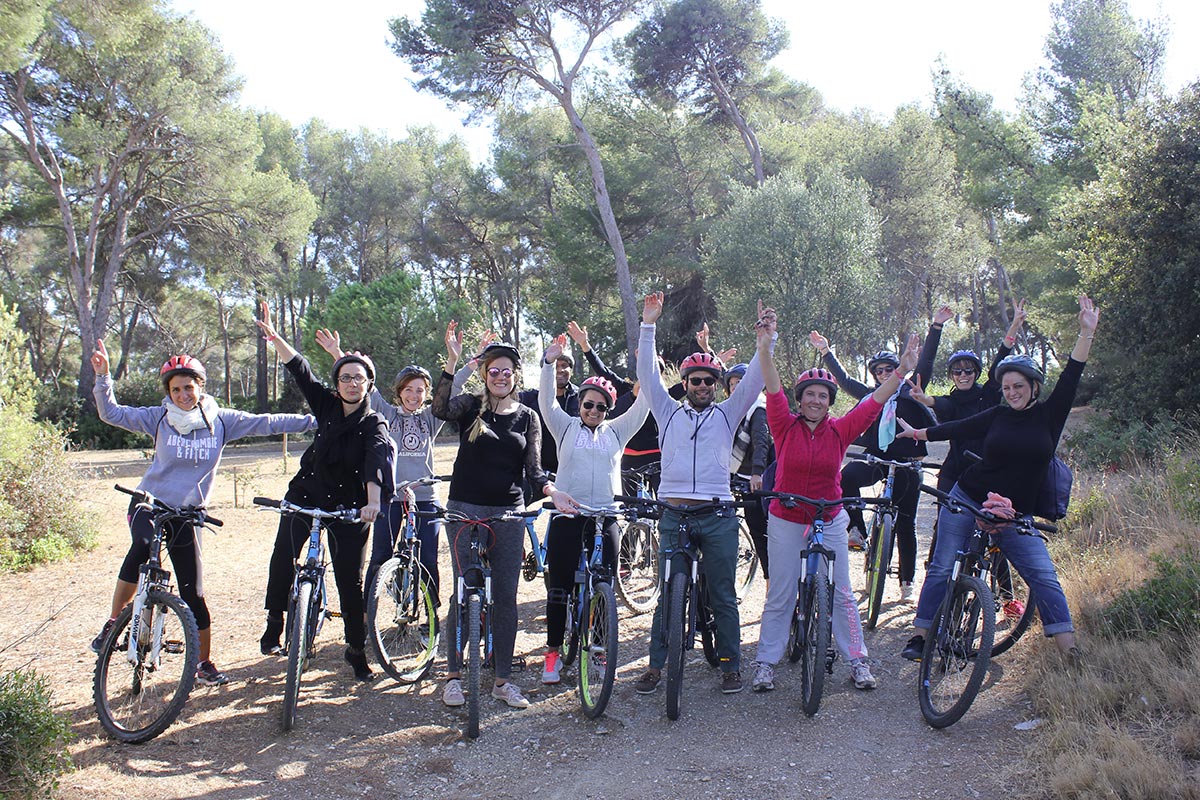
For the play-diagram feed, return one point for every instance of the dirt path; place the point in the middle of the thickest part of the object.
(385, 740)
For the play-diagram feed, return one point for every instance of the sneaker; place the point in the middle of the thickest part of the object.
(915, 647)
(1014, 610)
(552, 670)
(207, 674)
(856, 539)
(764, 677)
(357, 659)
(510, 693)
(268, 645)
(906, 592)
(731, 682)
(452, 693)
(863, 679)
(648, 683)
(98, 642)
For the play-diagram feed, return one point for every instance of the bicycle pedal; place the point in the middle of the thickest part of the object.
(518, 664)
(333, 615)
(172, 646)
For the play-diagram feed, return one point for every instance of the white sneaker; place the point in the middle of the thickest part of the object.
(510, 693)
(906, 592)
(552, 671)
(452, 693)
(764, 677)
(863, 679)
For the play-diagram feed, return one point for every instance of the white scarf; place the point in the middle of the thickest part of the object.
(201, 416)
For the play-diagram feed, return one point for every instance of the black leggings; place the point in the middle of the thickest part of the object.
(347, 543)
(756, 521)
(905, 493)
(566, 538)
(185, 552)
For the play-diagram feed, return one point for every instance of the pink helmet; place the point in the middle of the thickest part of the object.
(704, 361)
(182, 365)
(817, 376)
(601, 385)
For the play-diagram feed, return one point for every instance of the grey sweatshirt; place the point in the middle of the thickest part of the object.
(184, 466)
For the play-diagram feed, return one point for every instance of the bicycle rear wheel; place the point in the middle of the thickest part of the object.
(879, 557)
(957, 651)
(474, 662)
(598, 646)
(747, 561)
(297, 649)
(137, 701)
(402, 620)
(1014, 603)
(676, 621)
(818, 618)
(637, 567)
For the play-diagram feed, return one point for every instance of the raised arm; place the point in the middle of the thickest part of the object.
(932, 339)
(908, 360)
(852, 387)
(282, 349)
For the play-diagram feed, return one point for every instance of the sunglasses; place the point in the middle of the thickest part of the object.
(702, 381)
(357, 380)
(497, 372)
(963, 371)
(884, 370)
(589, 405)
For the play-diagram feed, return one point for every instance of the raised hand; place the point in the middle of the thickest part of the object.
(942, 315)
(818, 341)
(917, 393)
(1019, 313)
(727, 356)
(765, 325)
(100, 358)
(555, 349)
(702, 339)
(330, 342)
(911, 354)
(579, 335)
(1089, 315)
(454, 340)
(652, 308)
(908, 431)
(264, 324)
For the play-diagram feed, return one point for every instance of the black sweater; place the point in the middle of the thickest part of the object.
(960, 405)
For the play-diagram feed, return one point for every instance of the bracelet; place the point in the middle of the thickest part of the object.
(1010, 340)
(272, 338)
(1081, 336)
(936, 325)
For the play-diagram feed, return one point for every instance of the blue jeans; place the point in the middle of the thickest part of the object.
(718, 541)
(383, 542)
(1027, 554)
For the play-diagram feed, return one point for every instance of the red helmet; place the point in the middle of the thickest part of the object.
(601, 385)
(704, 361)
(816, 376)
(182, 365)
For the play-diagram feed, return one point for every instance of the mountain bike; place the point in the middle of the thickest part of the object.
(811, 633)
(959, 644)
(147, 663)
(592, 617)
(686, 611)
(637, 550)
(402, 620)
(473, 601)
(747, 558)
(881, 531)
(307, 609)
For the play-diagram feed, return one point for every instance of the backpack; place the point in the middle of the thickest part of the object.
(1055, 493)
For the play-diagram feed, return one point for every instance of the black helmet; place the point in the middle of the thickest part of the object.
(410, 372)
(498, 349)
(883, 357)
(965, 355)
(356, 358)
(1022, 364)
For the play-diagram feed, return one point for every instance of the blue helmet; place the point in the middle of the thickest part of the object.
(965, 355)
(1022, 364)
(736, 371)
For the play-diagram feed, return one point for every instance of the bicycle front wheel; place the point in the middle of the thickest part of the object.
(878, 560)
(747, 561)
(474, 662)
(1014, 602)
(598, 651)
(138, 699)
(637, 567)
(402, 620)
(677, 601)
(297, 650)
(957, 651)
(818, 618)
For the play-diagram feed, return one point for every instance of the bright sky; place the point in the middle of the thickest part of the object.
(331, 60)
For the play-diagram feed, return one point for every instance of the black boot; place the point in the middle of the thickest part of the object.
(358, 660)
(269, 643)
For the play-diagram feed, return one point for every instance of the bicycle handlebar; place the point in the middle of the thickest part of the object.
(286, 507)
(883, 462)
(792, 500)
(706, 507)
(585, 510)
(456, 516)
(195, 513)
(653, 468)
(1024, 524)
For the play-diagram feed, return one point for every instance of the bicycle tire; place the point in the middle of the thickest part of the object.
(747, 561)
(957, 651)
(577, 602)
(297, 650)
(817, 624)
(474, 663)
(599, 644)
(676, 621)
(795, 645)
(1009, 627)
(136, 702)
(402, 620)
(877, 574)
(638, 567)
(707, 623)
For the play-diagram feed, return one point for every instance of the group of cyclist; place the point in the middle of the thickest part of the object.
(366, 444)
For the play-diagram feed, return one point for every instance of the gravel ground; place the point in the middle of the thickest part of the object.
(386, 740)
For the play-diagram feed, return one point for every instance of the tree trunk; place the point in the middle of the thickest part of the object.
(749, 138)
(260, 392)
(127, 342)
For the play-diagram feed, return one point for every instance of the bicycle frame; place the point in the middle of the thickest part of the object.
(312, 570)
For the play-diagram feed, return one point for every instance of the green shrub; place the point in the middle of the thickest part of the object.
(1108, 441)
(1183, 483)
(33, 738)
(1166, 606)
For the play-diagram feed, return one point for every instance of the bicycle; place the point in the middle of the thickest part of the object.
(307, 609)
(959, 644)
(473, 602)
(592, 618)
(687, 609)
(747, 558)
(402, 621)
(637, 550)
(811, 632)
(881, 536)
(147, 663)
(534, 562)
